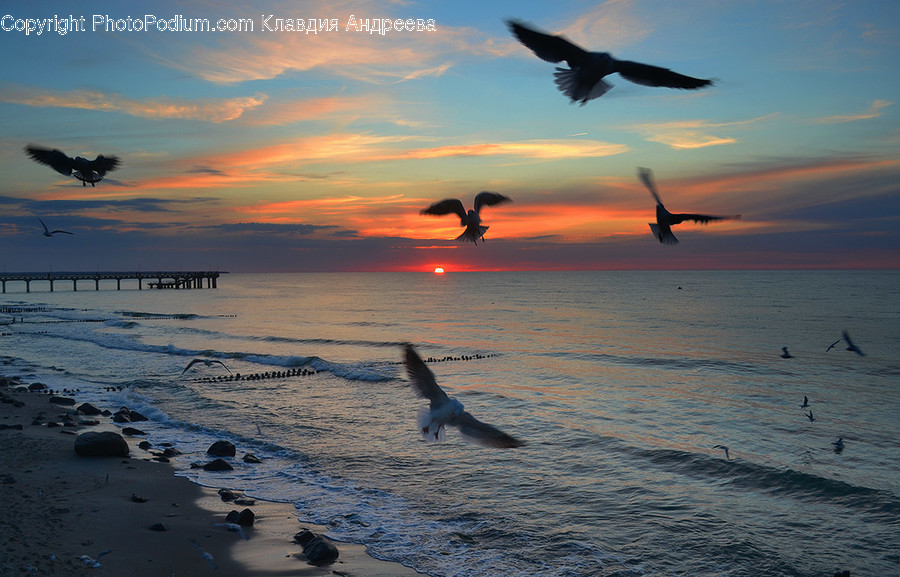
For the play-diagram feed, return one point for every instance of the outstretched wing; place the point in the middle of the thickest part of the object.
(53, 158)
(548, 47)
(486, 198)
(646, 176)
(648, 75)
(103, 164)
(701, 218)
(447, 206)
(422, 379)
(484, 434)
(191, 364)
(223, 364)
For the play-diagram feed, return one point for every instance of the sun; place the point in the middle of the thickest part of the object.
(439, 270)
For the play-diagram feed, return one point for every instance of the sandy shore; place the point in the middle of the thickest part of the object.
(58, 506)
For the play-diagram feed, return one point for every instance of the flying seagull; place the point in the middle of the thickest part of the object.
(207, 362)
(471, 220)
(52, 232)
(662, 230)
(81, 168)
(832, 345)
(838, 445)
(447, 411)
(851, 346)
(785, 354)
(725, 448)
(805, 403)
(810, 416)
(583, 80)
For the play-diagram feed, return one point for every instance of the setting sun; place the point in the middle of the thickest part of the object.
(439, 270)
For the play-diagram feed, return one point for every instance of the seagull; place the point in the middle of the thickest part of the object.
(662, 230)
(851, 346)
(805, 403)
(832, 345)
(81, 168)
(94, 563)
(447, 411)
(810, 416)
(583, 80)
(207, 362)
(838, 445)
(52, 232)
(727, 456)
(470, 220)
(785, 354)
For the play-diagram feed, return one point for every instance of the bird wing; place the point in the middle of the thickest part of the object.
(486, 198)
(62, 231)
(832, 345)
(548, 47)
(648, 75)
(53, 158)
(447, 206)
(646, 176)
(422, 378)
(223, 364)
(44, 225)
(484, 434)
(701, 218)
(103, 164)
(191, 364)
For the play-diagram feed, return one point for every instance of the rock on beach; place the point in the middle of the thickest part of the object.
(101, 444)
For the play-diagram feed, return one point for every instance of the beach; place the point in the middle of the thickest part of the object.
(61, 507)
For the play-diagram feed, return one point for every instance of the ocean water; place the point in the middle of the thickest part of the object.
(621, 384)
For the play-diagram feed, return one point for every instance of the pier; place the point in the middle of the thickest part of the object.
(155, 279)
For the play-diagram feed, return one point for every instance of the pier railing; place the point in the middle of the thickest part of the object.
(155, 279)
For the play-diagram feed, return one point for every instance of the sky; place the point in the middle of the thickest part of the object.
(279, 150)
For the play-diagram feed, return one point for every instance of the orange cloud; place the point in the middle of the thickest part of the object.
(209, 109)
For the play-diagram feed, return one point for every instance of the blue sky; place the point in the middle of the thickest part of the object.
(279, 150)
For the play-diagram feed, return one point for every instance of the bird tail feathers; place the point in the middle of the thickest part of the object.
(663, 237)
(568, 83)
(431, 431)
(467, 236)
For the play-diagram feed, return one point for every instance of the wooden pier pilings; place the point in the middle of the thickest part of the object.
(163, 279)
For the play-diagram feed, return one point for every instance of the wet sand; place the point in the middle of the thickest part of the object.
(58, 507)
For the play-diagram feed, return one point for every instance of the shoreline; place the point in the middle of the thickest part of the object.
(61, 506)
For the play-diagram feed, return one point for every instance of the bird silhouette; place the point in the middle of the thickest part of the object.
(207, 362)
(662, 229)
(785, 354)
(810, 416)
(52, 232)
(832, 345)
(851, 346)
(81, 168)
(445, 410)
(471, 219)
(583, 80)
(725, 448)
(805, 403)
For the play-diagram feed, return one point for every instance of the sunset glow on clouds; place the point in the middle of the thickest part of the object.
(291, 151)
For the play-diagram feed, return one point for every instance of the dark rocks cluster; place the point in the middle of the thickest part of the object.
(222, 450)
(317, 549)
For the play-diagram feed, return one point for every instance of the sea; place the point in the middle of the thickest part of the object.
(624, 385)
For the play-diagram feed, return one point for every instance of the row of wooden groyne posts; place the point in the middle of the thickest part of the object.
(154, 279)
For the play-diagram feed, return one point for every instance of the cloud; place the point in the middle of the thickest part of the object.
(688, 134)
(874, 111)
(207, 109)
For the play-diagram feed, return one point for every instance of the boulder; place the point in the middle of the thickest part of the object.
(65, 401)
(88, 409)
(101, 444)
(222, 449)
(251, 458)
(218, 465)
(244, 518)
(132, 432)
(318, 549)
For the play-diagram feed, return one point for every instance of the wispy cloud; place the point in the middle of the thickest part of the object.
(686, 134)
(874, 111)
(206, 109)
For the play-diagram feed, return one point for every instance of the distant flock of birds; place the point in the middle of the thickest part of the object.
(582, 81)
